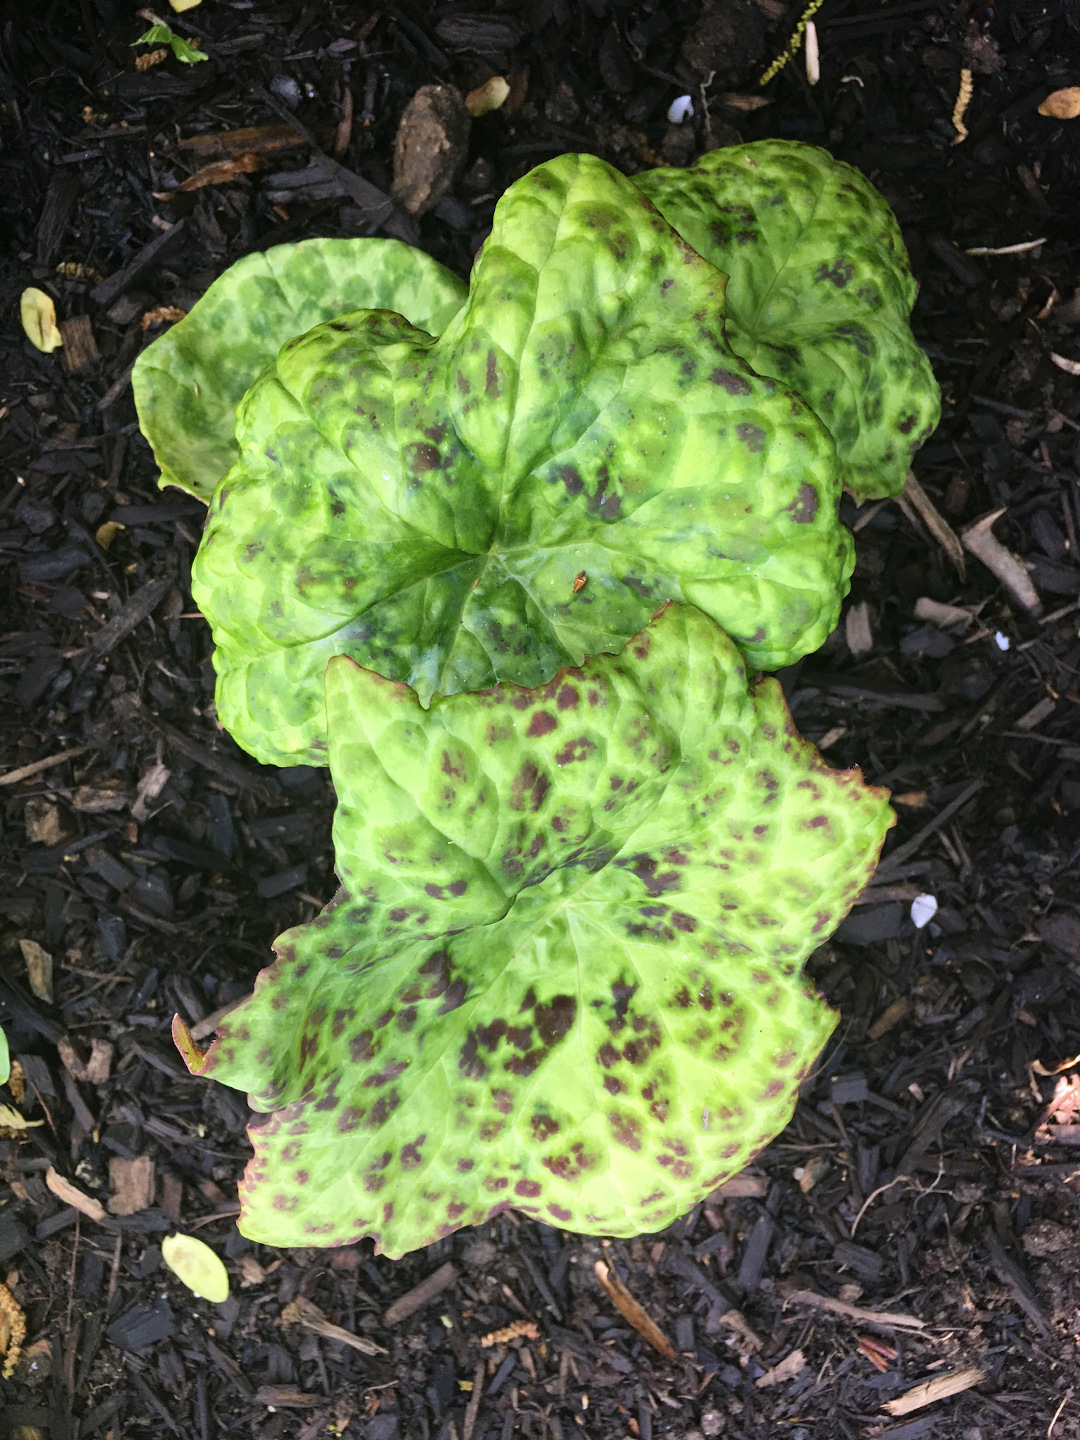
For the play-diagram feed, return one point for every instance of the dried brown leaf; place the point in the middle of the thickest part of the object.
(1062, 104)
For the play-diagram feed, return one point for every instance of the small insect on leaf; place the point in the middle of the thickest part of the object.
(38, 314)
(197, 1267)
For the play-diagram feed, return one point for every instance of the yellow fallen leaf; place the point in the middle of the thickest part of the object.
(196, 1266)
(10, 1119)
(1062, 104)
(38, 314)
(181, 5)
(107, 533)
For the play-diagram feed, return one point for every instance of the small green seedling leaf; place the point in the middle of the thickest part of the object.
(565, 974)
(189, 382)
(38, 314)
(819, 295)
(579, 446)
(162, 34)
(5, 1058)
(196, 1266)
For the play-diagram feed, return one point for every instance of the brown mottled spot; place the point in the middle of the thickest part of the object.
(503, 1101)
(568, 698)
(731, 382)
(543, 1127)
(554, 1019)
(752, 436)
(906, 425)
(410, 1154)
(491, 387)
(803, 509)
(528, 1188)
(684, 922)
(839, 273)
(625, 1129)
(558, 1213)
(542, 723)
(607, 1055)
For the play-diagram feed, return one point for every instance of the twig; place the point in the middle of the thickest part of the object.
(421, 1295)
(24, 772)
(472, 1410)
(896, 857)
(940, 1388)
(914, 498)
(629, 1308)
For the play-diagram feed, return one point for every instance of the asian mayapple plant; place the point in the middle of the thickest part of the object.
(506, 558)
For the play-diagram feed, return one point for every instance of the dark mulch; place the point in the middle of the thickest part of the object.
(924, 1172)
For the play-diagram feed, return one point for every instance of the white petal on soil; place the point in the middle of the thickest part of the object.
(923, 910)
(680, 109)
(1000, 640)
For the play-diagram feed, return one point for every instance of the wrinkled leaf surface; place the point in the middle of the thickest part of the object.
(189, 382)
(565, 973)
(578, 447)
(819, 296)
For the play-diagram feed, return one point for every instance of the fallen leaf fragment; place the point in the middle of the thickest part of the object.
(12, 1331)
(38, 315)
(1071, 367)
(181, 5)
(197, 1266)
(630, 1310)
(491, 95)
(5, 1059)
(218, 172)
(73, 1196)
(940, 1388)
(39, 969)
(1062, 104)
(789, 1368)
(304, 1312)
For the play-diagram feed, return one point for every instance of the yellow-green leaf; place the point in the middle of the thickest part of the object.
(38, 315)
(196, 1266)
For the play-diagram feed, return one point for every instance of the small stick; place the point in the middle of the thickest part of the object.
(24, 772)
(421, 1295)
(981, 541)
(629, 1308)
(913, 496)
(884, 1318)
(472, 1410)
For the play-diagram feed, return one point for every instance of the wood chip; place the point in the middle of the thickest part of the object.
(94, 1071)
(248, 139)
(914, 500)
(491, 95)
(73, 1196)
(858, 631)
(981, 541)
(940, 1388)
(303, 1312)
(80, 348)
(630, 1310)
(132, 1184)
(421, 1295)
(789, 1368)
(742, 1187)
(938, 614)
(218, 172)
(884, 1319)
(890, 1016)
(430, 149)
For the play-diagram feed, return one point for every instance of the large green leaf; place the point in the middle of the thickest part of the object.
(565, 974)
(579, 446)
(189, 383)
(819, 296)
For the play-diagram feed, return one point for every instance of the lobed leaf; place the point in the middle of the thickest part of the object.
(189, 382)
(565, 972)
(819, 296)
(579, 446)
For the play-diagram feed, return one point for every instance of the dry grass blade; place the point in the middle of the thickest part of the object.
(940, 1388)
(981, 541)
(886, 1319)
(303, 1312)
(914, 498)
(630, 1310)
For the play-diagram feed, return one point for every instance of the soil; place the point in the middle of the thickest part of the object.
(930, 1180)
